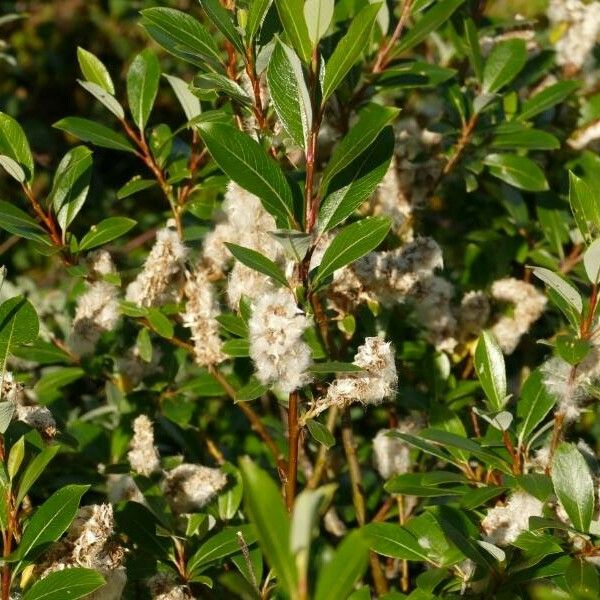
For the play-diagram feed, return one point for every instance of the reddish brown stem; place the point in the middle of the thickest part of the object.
(293, 442)
(383, 56)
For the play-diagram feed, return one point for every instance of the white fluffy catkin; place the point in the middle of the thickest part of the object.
(143, 455)
(200, 316)
(97, 308)
(281, 357)
(161, 279)
(188, 487)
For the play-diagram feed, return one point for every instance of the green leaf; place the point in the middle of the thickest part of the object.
(34, 469)
(547, 98)
(348, 565)
(256, 15)
(160, 323)
(19, 324)
(585, 207)
(582, 578)
(53, 380)
(105, 232)
(489, 364)
(433, 19)
(562, 287)
(533, 405)
(291, 14)
(266, 511)
(43, 353)
(244, 160)
(363, 133)
(318, 15)
(183, 36)
(230, 499)
(189, 102)
(503, 64)
(142, 86)
(519, 171)
(94, 133)
(394, 541)
(94, 70)
(14, 144)
(289, 93)
(320, 433)
(528, 139)
(133, 186)
(223, 21)
(252, 390)
(572, 349)
(71, 185)
(591, 261)
(233, 324)
(350, 244)
(50, 521)
(573, 485)
(215, 82)
(109, 101)
(237, 347)
(17, 222)
(223, 544)
(352, 186)
(473, 48)
(71, 583)
(15, 458)
(349, 49)
(13, 168)
(258, 262)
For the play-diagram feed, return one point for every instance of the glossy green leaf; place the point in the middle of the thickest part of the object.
(351, 186)
(105, 232)
(142, 86)
(244, 160)
(14, 144)
(473, 48)
(216, 83)
(94, 70)
(183, 36)
(94, 133)
(353, 242)
(13, 168)
(320, 433)
(252, 390)
(562, 287)
(256, 15)
(133, 186)
(503, 64)
(34, 469)
(318, 15)
(289, 93)
(573, 485)
(361, 136)
(189, 102)
(433, 19)
(489, 365)
(19, 324)
(347, 566)
(71, 185)
(223, 20)
(108, 100)
(15, 458)
(582, 579)
(394, 541)
(220, 545)
(547, 98)
(291, 14)
(528, 139)
(18, 222)
(585, 207)
(267, 512)
(591, 261)
(349, 49)
(50, 521)
(534, 404)
(72, 583)
(257, 261)
(519, 171)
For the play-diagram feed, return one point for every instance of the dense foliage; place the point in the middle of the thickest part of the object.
(300, 300)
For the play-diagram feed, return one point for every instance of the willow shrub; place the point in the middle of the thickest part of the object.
(336, 335)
